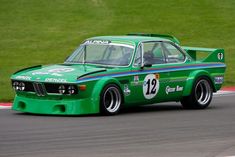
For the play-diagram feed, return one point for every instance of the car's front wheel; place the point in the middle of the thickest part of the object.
(110, 100)
(200, 96)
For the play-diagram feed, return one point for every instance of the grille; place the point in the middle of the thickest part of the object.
(39, 89)
(42, 89)
(29, 87)
(53, 88)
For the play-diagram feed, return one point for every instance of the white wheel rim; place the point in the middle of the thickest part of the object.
(112, 99)
(203, 92)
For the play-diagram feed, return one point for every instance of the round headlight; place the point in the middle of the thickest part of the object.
(71, 90)
(15, 85)
(61, 89)
(21, 86)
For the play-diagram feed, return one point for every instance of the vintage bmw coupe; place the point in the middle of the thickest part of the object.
(107, 73)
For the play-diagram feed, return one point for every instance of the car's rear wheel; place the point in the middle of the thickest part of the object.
(200, 96)
(111, 100)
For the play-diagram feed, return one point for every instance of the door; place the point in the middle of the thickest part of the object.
(158, 73)
(177, 69)
(149, 82)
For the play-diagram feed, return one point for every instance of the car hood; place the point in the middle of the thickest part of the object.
(57, 73)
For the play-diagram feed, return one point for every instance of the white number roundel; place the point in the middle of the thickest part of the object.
(150, 86)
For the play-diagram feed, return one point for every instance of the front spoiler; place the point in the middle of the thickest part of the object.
(55, 107)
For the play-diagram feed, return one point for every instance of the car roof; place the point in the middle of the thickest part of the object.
(129, 38)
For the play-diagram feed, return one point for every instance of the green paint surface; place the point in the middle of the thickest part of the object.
(40, 32)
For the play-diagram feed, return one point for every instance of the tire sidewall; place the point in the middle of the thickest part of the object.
(103, 109)
(196, 104)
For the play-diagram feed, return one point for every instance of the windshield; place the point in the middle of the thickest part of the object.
(102, 53)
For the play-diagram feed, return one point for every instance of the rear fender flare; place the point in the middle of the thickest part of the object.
(193, 76)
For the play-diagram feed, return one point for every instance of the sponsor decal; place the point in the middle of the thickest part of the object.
(55, 80)
(46, 73)
(97, 42)
(23, 77)
(157, 76)
(219, 79)
(150, 86)
(220, 56)
(54, 72)
(136, 79)
(60, 70)
(127, 91)
(172, 56)
(173, 89)
(40, 73)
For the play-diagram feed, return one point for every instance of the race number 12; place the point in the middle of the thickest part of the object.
(150, 86)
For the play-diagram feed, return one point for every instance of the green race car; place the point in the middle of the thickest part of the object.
(107, 73)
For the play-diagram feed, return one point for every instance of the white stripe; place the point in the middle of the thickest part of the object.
(224, 93)
(115, 44)
(5, 107)
(124, 45)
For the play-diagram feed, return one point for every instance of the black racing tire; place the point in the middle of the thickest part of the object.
(110, 100)
(201, 95)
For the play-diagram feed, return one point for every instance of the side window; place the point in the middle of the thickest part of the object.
(153, 53)
(173, 55)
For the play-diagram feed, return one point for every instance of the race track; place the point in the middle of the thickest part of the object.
(158, 130)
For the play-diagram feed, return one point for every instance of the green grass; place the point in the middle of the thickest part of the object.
(36, 32)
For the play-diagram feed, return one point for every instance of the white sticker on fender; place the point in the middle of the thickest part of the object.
(60, 70)
(55, 80)
(23, 77)
(150, 86)
(54, 72)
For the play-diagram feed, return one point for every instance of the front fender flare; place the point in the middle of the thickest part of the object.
(100, 84)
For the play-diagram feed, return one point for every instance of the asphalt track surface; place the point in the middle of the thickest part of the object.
(158, 130)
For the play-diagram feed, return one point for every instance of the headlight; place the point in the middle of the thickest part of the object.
(15, 85)
(21, 86)
(71, 89)
(61, 89)
(18, 86)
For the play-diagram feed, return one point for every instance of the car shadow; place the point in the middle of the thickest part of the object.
(152, 108)
(53, 115)
(162, 107)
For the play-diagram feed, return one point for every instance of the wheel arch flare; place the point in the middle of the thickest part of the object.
(99, 86)
(193, 76)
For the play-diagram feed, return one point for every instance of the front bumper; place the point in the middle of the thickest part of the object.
(56, 107)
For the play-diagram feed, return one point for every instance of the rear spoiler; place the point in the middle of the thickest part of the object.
(215, 55)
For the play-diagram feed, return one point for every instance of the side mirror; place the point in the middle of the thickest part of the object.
(148, 65)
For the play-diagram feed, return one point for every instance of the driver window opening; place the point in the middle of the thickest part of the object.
(153, 53)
